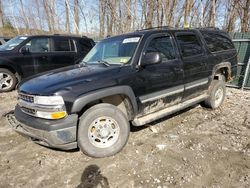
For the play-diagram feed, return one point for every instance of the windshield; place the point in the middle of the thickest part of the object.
(113, 51)
(11, 44)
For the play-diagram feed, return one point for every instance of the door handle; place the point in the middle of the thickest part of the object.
(178, 69)
(44, 57)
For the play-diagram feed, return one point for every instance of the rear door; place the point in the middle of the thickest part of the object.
(63, 52)
(161, 84)
(194, 61)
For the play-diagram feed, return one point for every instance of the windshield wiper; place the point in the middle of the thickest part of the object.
(104, 62)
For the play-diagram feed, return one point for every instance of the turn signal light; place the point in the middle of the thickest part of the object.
(58, 115)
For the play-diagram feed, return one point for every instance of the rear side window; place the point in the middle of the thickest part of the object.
(162, 45)
(217, 42)
(189, 45)
(62, 45)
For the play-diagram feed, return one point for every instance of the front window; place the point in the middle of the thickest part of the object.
(113, 51)
(37, 45)
(11, 44)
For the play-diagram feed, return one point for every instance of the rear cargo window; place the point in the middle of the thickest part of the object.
(189, 45)
(217, 42)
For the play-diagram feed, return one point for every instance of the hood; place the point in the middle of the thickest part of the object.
(66, 79)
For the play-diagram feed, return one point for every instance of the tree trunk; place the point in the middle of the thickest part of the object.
(26, 20)
(39, 14)
(67, 25)
(76, 16)
(102, 15)
(245, 19)
(1, 17)
(149, 14)
(48, 15)
(171, 11)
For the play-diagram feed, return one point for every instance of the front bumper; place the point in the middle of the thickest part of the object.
(59, 134)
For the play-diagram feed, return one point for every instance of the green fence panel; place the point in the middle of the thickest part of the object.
(238, 80)
(243, 49)
(248, 81)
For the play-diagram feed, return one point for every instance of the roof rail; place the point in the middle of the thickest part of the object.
(159, 27)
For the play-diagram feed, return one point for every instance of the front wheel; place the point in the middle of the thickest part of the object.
(217, 93)
(103, 131)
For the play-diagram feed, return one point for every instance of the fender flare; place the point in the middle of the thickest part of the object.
(83, 100)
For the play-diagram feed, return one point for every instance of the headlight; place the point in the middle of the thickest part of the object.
(47, 107)
(48, 100)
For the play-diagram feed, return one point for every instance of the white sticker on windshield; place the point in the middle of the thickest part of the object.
(129, 40)
(23, 38)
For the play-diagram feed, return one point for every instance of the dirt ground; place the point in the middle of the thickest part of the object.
(195, 148)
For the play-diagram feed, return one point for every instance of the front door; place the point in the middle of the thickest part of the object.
(162, 82)
(36, 59)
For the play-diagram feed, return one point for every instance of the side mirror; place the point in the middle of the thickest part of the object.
(151, 58)
(25, 50)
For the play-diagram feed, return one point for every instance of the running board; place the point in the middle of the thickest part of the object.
(138, 121)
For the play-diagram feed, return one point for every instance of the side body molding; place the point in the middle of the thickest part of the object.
(83, 100)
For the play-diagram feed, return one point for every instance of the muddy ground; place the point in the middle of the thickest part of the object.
(195, 148)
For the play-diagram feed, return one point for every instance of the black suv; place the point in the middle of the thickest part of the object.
(133, 78)
(24, 56)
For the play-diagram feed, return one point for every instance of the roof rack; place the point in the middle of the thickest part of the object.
(160, 27)
(70, 35)
(209, 28)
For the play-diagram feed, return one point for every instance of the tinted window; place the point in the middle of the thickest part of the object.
(61, 44)
(217, 42)
(189, 44)
(38, 45)
(162, 45)
(85, 45)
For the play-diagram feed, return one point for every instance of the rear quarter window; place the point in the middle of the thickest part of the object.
(85, 45)
(62, 45)
(217, 42)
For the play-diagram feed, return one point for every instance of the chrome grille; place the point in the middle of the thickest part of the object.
(27, 98)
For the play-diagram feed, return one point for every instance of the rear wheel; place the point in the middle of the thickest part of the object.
(8, 80)
(217, 93)
(103, 131)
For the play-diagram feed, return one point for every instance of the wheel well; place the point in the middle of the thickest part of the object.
(9, 68)
(222, 71)
(120, 101)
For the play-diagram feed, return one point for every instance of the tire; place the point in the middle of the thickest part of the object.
(103, 131)
(8, 80)
(217, 93)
